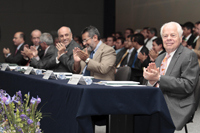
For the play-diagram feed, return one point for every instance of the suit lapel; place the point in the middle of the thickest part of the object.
(98, 52)
(174, 59)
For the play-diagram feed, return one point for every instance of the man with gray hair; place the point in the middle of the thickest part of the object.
(46, 43)
(177, 76)
(98, 59)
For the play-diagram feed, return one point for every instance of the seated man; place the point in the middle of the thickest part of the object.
(35, 39)
(100, 61)
(46, 43)
(177, 76)
(16, 57)
(157, 49)
(63, 60)
(139, 58)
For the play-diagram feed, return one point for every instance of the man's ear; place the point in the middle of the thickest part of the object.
(95, 37)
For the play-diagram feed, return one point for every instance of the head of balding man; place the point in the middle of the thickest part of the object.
(65, 35)
(18, 38)
(35, 37)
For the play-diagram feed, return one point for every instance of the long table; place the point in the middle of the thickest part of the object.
(70, 107)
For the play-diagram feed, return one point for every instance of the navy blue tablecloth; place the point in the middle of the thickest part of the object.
(71, 106)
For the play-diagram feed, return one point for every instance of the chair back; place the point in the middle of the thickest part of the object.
(123, 74)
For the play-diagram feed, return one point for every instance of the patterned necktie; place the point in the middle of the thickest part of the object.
(87, 72)
(118, 65)
(135, 58)
(164, 65)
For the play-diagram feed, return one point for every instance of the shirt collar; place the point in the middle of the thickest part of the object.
(138, 51)
(97, 46)
(188, 36)
(131, 50)
(18, 47)
(46, 49)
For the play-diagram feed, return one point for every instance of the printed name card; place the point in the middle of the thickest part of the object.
(29, 70)
(5, 67)
(77, 79)
(49, 74)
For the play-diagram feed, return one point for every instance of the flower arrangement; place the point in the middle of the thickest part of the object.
(18, 116)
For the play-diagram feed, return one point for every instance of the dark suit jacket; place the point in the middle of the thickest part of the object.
(17, 58)
(178, 84)
(120, 55)
(66, 60)
(40, 51)
(190, 41)
(42, 63)
(138, 64)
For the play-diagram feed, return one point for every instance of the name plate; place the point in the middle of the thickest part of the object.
(77, 78)
(29, 70)
(49, 74)
(5, 67)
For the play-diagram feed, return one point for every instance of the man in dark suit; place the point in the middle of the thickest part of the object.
(19, 41)
(139, 57)
(188, 37)
(46, 43)
(157, 49)
(177, 76)
(63, 61)
(124, 55)
(35, 39)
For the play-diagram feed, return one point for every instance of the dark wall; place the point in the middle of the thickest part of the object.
(47, 15)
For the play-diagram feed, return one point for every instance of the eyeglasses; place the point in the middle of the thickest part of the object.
(84, 41)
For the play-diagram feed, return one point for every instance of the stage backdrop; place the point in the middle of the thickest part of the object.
(137, 14)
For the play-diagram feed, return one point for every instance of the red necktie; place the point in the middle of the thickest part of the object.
(16, 51)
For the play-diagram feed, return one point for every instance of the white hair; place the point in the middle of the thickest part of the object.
(179, 28)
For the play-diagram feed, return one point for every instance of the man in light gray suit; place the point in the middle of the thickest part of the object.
(178, 78)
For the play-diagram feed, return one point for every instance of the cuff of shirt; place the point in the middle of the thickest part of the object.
(37, 58)
(7, 55)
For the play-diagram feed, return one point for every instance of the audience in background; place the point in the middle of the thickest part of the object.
(128, 32)
(119, 45)
(197, 47)
(137, 31)
(157, 49)
(118, 34)
(144, 32)
(111, 41)
(152, 34)
(78, 40)
(188, 37)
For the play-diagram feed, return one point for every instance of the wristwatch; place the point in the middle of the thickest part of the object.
(87, 60)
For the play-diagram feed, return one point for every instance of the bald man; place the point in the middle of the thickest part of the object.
(35, 39)
(16, 57)
(64, 60)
